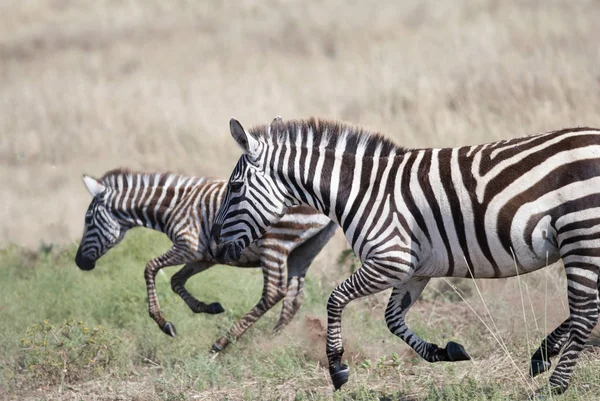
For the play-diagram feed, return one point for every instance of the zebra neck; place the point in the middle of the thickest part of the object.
(328, 164)
(339, 184)
(152, 205)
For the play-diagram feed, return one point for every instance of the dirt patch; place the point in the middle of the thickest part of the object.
(314, 332)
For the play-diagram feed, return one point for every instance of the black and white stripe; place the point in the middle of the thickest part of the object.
(413, 214)
(184, 209)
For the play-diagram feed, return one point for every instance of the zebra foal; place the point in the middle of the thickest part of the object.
(414, 214)
(184, 208)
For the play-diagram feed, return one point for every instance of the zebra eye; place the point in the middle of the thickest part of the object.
(236, 185)
(88, 219)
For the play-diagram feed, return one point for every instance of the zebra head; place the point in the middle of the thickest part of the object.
(102, 229)
(254, 200)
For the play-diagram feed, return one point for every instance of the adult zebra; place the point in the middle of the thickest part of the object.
(411, 215)
(184, 209)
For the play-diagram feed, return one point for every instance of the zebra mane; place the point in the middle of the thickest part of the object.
(356, 136)
(129, 178)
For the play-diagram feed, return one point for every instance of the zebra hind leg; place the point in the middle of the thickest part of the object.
(549, 348)
(273, 292)
(402, 298)
(178, 286)
(291, 302)
(298, 262)
(581, 266)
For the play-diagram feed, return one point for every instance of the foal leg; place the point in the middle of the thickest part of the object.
(298, 262)
(178, 286)
(273, 292)
(402, 298)
(170, 258)
(291, 302)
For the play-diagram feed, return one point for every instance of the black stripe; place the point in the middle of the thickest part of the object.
(407, 196)
(425, 184)
(445, 166)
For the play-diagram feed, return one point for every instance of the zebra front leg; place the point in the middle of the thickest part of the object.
(291, 303)
(550, 347)
(402, 298)
(581, 266)
(361, 283)
(170, 258)
(178, 286)
(273, 292)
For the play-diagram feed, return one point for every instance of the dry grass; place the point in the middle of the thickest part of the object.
(90, 85)
(86, 86)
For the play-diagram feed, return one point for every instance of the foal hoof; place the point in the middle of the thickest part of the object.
(215, 348)
(339, 375)
(278, 328)
(215, 308)
(169, 329)
(456, 352)
(539, 366)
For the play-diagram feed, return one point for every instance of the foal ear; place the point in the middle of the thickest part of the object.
(94, 186)
(247, 142)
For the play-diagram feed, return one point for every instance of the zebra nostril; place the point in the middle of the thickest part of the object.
(237, 251)
(212, 248)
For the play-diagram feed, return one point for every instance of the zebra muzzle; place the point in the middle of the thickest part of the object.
(223, 252)
(227, 252)
(84, 263)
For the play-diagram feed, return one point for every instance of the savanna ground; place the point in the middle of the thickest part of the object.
(86, 86)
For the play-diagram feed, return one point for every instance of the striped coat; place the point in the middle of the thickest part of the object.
(413, 214)
(184, 209)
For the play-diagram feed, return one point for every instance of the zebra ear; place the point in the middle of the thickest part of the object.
(247, 142)
(276, 120)
(94, 186)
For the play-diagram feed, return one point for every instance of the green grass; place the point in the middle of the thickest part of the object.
(113, 349)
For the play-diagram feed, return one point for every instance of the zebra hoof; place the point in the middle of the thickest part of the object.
(339, 375)
(456, 352)
(539, 366)
(169, 329)
(215, 308)
(220, 345)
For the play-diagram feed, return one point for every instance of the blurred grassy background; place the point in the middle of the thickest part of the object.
(90, 85)
(86, 86)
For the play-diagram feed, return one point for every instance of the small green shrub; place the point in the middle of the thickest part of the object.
(68, 352)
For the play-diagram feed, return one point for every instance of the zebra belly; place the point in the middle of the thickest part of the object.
(503, 266)
(525, 254)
